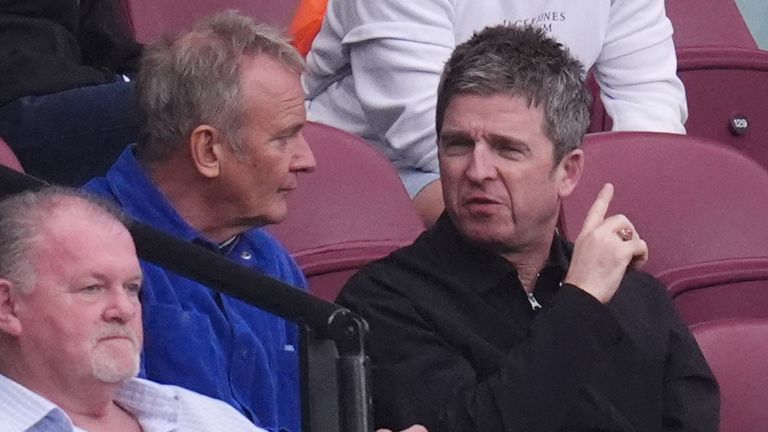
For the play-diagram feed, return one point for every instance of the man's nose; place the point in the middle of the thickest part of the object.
(304, 159)
(481, 165)
(122, 307)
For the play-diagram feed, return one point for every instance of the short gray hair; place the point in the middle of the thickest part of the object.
(193, 78)
(22, 221)
(521, 61)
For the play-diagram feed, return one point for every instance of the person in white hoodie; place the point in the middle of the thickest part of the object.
(374, 68)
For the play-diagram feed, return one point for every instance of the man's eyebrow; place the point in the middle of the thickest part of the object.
(99, 276)
(289, 131)
(103, 278)
(505, 140)
(454, 135)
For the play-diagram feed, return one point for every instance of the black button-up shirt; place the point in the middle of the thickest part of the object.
(457, 346)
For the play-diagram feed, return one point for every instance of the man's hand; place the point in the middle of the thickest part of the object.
(414, 428)
(604, 249)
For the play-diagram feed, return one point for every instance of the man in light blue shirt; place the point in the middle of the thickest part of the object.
(71, 329)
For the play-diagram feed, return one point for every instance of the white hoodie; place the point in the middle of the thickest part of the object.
(397, 48)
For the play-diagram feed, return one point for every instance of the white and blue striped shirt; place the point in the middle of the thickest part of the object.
(158, 408)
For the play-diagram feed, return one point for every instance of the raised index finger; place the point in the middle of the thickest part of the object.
(596, 213)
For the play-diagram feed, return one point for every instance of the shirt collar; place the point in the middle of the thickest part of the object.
(155, 407)
(22, 409)
(480, 268)
(138, 196)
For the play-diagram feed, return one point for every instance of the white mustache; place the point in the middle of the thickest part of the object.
(118, 330)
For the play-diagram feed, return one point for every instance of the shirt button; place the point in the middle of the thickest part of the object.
(245, 255)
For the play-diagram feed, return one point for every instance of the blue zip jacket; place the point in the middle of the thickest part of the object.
(199, 339)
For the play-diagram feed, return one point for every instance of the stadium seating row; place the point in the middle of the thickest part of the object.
(698, 204)
(718, 24)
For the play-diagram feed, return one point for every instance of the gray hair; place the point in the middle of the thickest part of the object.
(193, 78)
(521, 61)
(22, 221)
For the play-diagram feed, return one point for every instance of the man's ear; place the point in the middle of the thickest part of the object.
(9, 321)
(205, 149)
(569, 172)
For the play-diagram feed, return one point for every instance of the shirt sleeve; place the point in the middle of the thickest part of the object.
(396, 50)
(637, 69)
(420, 378)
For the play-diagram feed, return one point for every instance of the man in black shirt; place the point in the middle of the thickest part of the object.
(491, 321)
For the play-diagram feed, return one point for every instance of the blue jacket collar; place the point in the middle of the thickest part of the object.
(133, 189)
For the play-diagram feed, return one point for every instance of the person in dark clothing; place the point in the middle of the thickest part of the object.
(491, 321)
(67, 108)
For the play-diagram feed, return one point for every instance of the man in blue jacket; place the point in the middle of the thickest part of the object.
(223, 146)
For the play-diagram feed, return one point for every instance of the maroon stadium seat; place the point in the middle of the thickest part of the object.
(726, 89)
(351, 210)
(719, 289)
(693, 200)
(150, 19)
(702, 31)
(708, 23)
(724, 73)
(696, 203)
(737, 352)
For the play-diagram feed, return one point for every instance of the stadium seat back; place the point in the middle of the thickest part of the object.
(691, 199)
(718, 24)
(737, 353)
(353, 209)
(713, 290)
(726, 90)
(150, 19)
(708, 23)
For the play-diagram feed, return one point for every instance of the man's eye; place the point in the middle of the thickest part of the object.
(133, 288)
(286, 139)
(281, 142)
(91, 289)
(457, 146)
(509, 151)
